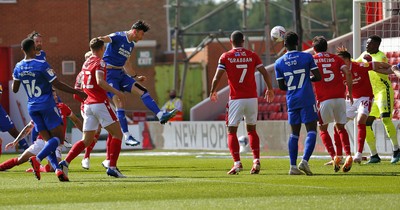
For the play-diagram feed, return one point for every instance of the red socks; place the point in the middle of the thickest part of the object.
(10, 163)
(254, 141)
(233, 145)
(338, 143)
(362, 133)
(76, 149)
(115, 149)
(327, 141)
(344, 136)
(90, 148)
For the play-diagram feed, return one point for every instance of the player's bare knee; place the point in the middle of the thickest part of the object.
(140, 89)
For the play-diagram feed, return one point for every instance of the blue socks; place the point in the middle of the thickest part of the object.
(150, 103)
(50, 146)
(293, 148)
(309, 144)
(122, 120)
(53, 161)
(23, 144)
(34, 135)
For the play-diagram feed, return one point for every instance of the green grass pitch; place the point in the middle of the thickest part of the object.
(189, 182)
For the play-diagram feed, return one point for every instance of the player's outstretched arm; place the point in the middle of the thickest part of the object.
(269, 93)
(77, 122)
(396, 70)
(105, 39)
(381, 67)
(25, 131)
(15, 85)
(68, 89)
(349, 82)
(214, 84)
(316, 75)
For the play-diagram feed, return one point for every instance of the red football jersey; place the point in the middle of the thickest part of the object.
(361, 83)
(240, 65)
(95, 93)
(331, 85)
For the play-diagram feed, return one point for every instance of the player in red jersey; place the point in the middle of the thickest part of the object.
(362, 97)
(39, 143)
(97, 109)
(78, 85)
(240, 65)
(330, 93)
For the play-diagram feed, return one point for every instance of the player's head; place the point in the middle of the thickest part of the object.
(320, 44)
(373, 43)
(88, 54)
(237, 39)
(97, 47)
(344, 54)
(138, 29)
(172, 94)
(291, 40)
(37, 37)
(28, 46)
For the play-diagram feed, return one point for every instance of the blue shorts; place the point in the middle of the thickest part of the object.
(303, 115)
(119, 80)
(46, 119)
(5, 121)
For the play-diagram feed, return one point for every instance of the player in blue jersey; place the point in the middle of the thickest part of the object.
(37, 38)
(7, 125)
(38, 77)
(116, 56)
(293, 75)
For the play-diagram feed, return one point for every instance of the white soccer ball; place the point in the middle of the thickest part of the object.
(278, 33)
(244, 144)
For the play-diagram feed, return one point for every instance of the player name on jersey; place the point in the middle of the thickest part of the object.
(240, 60)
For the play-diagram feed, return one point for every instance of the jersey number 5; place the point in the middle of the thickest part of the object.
(32, 89)
(290, 85)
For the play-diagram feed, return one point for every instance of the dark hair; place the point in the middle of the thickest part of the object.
(344, 54)
(291, 38)
(34, 34)
(96, 44)
(141, 25)
(27, 45)
(375, 38)
(237, 38)
(320, 44)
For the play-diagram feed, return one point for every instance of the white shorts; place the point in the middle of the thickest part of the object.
(360, 106)
(38, 145)
(332, 110)
(239, 108)
(96, 114)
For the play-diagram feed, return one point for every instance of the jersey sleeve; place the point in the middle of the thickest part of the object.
(48, 72)
(313, 66)
(222, 62)
(15, 73)
(113, 37)
(278, 72)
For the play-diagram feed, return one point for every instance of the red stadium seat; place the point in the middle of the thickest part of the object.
(272, 116)
(396, 103)
(395, 114)
(395, 85)
(279, 116)
(396, 94)
(393, 60)
(389, 54)
(284, 116)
